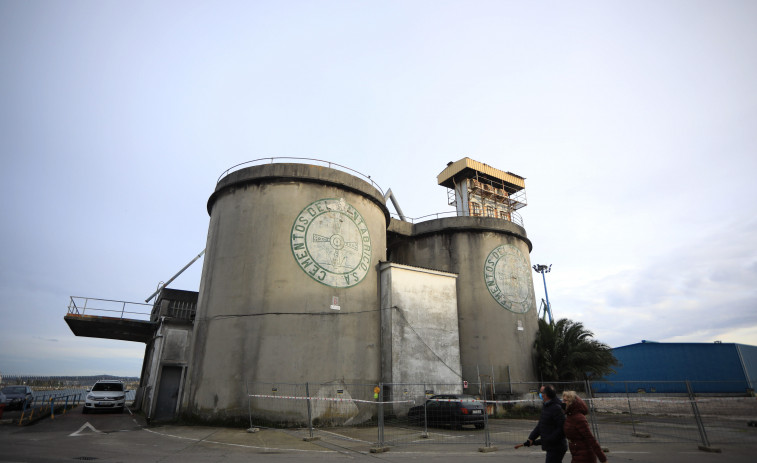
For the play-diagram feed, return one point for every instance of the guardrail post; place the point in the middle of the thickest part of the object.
(594, 426)
(630, 412)
(249, 405)
(310, 412)
(381, 416)
(378, 395)
(487, 438)
(425, 413)
(698, 418)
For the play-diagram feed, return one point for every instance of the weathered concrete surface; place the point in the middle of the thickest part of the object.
(170, 347)
(274, 304)
(400, 228)
(420, 340)
(490, 341)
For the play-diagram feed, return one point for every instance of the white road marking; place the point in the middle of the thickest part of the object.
(84, 426)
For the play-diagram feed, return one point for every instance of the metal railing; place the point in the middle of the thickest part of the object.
(48, 405)
(55, 395)
(514, 217)
(108, 307)
(275, 160)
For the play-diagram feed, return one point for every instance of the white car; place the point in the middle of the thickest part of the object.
(105, 395)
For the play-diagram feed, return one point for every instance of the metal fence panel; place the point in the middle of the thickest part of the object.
(362, 416)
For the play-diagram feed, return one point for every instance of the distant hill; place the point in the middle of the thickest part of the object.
(54, 380)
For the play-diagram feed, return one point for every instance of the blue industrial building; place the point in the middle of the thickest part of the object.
(649, 367)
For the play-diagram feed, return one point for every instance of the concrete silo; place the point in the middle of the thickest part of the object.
(489, 251)
(288, 291)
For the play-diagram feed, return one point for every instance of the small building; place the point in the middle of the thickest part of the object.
(478, 190)
(656, 367)
(167, 353)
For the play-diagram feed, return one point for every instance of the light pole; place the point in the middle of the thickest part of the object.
(539, 268)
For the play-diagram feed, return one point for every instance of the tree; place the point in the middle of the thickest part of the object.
(565, 351)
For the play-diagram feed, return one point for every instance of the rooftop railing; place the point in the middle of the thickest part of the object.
(514, 217)
(276, 160)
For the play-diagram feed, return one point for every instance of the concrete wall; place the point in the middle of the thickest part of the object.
(289, 288)
(494, 289)
(170, 347)
(420, 341)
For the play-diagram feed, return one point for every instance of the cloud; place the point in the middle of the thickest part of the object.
(701, 290)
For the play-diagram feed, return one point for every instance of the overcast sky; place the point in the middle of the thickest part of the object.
(633, 122)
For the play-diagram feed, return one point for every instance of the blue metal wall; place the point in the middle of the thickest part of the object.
(665, 368)
(749, 358)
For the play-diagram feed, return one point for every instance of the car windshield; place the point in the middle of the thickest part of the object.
(14, 390)
(108, 387)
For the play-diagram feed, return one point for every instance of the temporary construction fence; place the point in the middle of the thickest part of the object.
(386, 415)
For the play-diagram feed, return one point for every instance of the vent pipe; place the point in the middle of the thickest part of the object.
(175, 276)
(390, 195)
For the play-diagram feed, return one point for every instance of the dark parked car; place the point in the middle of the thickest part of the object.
(16, 396)
(454, 410)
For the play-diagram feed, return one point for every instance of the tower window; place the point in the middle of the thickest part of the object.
(475, 209)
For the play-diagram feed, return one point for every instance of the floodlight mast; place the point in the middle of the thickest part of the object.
(540, 268)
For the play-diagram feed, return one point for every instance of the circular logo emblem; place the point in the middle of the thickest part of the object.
(331, 243)
(508, 279)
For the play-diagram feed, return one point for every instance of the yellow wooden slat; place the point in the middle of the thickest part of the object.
(464, 163)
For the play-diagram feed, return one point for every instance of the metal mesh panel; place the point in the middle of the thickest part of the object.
(363, 416)
(433, 413)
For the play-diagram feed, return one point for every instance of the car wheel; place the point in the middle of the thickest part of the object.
(415, 419)
(479, 425)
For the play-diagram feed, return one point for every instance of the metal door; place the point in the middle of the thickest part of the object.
(168, 393)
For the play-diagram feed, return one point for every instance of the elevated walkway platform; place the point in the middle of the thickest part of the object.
(123, 329)
(107, 319)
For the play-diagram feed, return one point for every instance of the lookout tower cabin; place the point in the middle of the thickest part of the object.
(479, 190)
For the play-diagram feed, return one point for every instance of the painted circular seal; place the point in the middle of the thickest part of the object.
(508, 279)
(331, 243)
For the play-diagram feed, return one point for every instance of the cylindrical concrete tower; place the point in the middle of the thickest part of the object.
(497, 315)
(289, 289)
(486, 245)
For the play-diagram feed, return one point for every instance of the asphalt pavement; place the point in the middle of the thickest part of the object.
(126, 437)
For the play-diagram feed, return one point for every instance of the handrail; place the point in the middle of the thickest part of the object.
(515, 217)
(80, 309)
(45, 405)
(328, 164)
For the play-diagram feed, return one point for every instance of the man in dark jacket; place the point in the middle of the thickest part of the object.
(550, 426)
